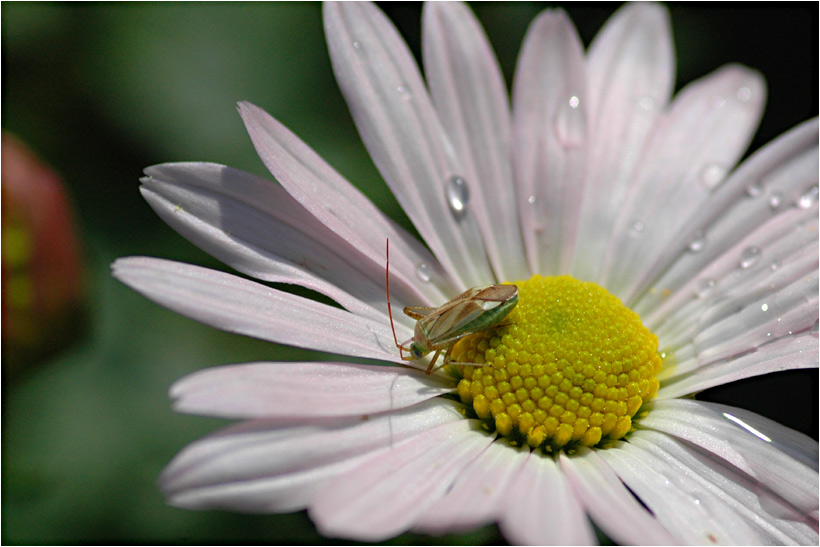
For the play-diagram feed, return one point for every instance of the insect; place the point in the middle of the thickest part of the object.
(438, 329)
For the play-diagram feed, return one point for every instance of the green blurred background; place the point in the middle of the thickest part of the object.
(100, 91)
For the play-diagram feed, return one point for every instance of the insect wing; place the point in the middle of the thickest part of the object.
(462, 314)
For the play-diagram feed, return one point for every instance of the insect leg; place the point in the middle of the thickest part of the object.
(430, 368)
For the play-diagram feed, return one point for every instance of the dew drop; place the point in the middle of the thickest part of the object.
(636, 229)
(744, 94)
(754, 190)
(775, 199)
(806, 200)
(423, 272)
(764, 307)
(356, 45)
(704, 287)
(457, 195)
(569, 123)
(774, 265)
(646, 103)
(531, 200)
(749, 257)
(712, 175)
(718, 101)
(404, 93)
(698, 242)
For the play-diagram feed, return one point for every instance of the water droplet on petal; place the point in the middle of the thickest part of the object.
(774, 265)
(569, 123)
(423, 272)
(764, 307)
(754, 189)
(749, 257)
(775, 199)
(806, 200)
(356, 45)
(458, 195)
(636, 229)
(718, 101)
(404, 93)
(531, 200)
(712, 175)
(646, 103)
(698, 242)
(704, 287)
(744, 94)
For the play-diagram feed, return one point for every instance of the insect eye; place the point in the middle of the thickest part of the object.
(417, 354)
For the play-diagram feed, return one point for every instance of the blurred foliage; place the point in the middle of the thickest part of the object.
(99, 91)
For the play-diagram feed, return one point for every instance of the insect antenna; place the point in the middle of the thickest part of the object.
(387, 284)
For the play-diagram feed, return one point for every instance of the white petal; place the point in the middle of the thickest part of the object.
(542, 509)
(600, 491)
(345, 211)
(260, 466)
(388, 493)
(301, 391)
(469, 94)
(778, 522)
(233, 304)
(551, 112)
(255, 227)
(400, 128)
(478, 495)
(691, 152)
(631, 74)
(712, 429)
(768, 184)
(690, 377)
(691, 514)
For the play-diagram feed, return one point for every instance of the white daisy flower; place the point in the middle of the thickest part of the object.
(668, 268)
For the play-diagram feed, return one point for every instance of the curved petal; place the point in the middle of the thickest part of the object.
(690, 377)
(345, 211)
(400, 128)
(696, 143)
(777, 521)
(477, 497)
(712, 429)
(363, 504)
(631, 75)
(774, 179)
(600, 490)
(468, 92)
(254, 226)
(550, 135)
(542, 509)
(233, 304)
(690, 513)
(301, 391)
(259, 466)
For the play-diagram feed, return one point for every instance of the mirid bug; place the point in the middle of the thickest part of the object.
(438, 329)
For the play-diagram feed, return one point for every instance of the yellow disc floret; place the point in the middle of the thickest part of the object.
(570, 365)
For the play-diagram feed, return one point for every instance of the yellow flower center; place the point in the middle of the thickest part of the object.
(570, 364)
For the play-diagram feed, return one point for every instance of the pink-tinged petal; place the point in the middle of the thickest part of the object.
(231, 215)
(690, 513)
(777, 253)
(301, 391)
(233, 304)
(778, 523)
(551, 111)
(259, 466)
(788, 353)
(392, 110)
(387, 494)
(631, 74)
(469, 94)
(772, 181)
(715, 429)
(345, 211)
(600, 490)
(695, 145)
(477, 497)
(542, 509)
